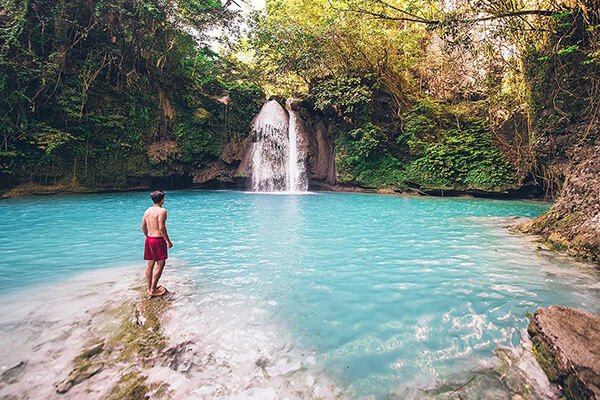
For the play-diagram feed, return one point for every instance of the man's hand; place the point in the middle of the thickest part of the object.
(169, 243)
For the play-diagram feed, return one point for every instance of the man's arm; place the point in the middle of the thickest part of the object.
(162, 227)
(144, 226)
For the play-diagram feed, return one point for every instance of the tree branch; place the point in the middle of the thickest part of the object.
(387, 17)
(402, 11)
(545, 13)
(433, 22)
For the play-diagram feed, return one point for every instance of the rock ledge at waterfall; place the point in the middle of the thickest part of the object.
(566, 343)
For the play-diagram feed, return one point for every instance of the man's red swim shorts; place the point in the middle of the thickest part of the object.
(155, 248)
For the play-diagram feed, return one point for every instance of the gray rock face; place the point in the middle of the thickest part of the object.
(318, 142)
(574, 220)
(213, 171)
(566, 343)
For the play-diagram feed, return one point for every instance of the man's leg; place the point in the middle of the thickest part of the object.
(156, 275)
(149, 269)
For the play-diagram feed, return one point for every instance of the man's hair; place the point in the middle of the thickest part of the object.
(157, 196)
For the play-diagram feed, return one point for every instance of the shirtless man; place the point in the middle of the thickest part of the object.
(157, 241)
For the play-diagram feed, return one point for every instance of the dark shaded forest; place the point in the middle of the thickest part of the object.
(102, 94)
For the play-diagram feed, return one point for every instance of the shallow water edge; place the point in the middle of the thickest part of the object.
(100, 337)
(82, 342)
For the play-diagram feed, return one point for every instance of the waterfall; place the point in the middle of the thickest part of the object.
(296, 171)
(276, 163)
(269, 157)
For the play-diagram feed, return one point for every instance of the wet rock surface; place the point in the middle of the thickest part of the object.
(315, 145)
(511, 374)
(318, 143)
(573, 223)
(12, 374)
(566, 343)
(136, 343)
(79, 343)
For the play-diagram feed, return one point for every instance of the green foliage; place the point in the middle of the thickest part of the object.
(453, 150)
(363, 155)
(446, 150)
(85, 91)
(347, 95)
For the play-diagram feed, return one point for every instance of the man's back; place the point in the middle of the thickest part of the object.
(154, 218)
(157, 242)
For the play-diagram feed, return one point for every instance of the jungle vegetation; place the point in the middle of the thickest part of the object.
(460, 94)
(467, 94)
(97, 91)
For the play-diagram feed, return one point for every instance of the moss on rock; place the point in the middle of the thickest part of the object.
(130, 348)
(131, 386)
(566, 345)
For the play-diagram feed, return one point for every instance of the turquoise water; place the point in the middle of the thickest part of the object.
(381, 290)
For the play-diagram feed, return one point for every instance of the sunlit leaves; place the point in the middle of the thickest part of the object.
(568, 49)
(346, 95)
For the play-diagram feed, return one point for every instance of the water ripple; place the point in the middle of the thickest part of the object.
(379, 290)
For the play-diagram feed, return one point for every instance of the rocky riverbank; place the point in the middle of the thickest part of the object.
(95, 338)
(29, 190)
(226, 182)
(573, 223)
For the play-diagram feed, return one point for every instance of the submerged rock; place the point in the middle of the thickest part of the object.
(180, 357)
(85, 365)
(512, 374)
(566, 343)
(13, 374)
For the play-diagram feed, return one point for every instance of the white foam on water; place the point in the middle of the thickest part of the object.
(224, 347)
(45, 327)
(281, 193)
(234, 352)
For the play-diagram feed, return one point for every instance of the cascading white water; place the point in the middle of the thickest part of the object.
(276, 164)
(270, 150)
(296, 171)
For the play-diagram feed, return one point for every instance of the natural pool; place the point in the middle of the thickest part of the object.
(375, 292)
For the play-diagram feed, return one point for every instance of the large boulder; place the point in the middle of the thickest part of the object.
(566, 343)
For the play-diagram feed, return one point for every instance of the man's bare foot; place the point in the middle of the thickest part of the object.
(160, 291)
